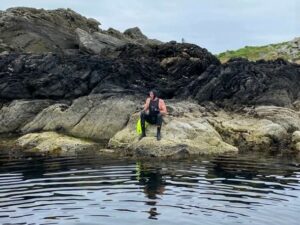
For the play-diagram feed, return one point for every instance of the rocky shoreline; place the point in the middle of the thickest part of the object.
(189, 129)
(89, 89)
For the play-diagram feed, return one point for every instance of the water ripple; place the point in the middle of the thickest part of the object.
(245, 188)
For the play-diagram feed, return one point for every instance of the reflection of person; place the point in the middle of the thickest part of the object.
(154, 109)
(152, 180)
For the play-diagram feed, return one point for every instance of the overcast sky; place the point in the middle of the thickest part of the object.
(217, 25)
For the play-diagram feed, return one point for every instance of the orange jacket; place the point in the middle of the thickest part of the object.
(161, 105)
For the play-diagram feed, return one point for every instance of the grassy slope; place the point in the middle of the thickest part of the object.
(267, 52)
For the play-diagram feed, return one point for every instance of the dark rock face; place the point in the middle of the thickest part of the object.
(130, 69)
(87, 60)
(40, 31)
(249, 83)
(60, 31)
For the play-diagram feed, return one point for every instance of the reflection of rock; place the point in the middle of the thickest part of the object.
(51, 142)
(20, 112)
(151, 179)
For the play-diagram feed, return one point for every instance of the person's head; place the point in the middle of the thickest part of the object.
(153, 94)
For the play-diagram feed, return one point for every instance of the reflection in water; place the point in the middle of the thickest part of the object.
(153, 183)
(242, 189)
(151, 179)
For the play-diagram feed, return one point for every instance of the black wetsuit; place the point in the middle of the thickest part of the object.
(154, 116)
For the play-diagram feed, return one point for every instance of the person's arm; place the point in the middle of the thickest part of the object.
(147, 103)
(162, 107)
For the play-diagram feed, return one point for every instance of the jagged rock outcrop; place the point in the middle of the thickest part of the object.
(96, 42)
(240, 82)
(100, 42)
(39, 31)
(61, 31)
(135, 70)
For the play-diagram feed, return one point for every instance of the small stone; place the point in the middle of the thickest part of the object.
(296, 137)
(297, 146)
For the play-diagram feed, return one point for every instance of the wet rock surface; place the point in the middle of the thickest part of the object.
(51, 142)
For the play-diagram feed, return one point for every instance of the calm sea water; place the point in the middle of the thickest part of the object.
(91, 189)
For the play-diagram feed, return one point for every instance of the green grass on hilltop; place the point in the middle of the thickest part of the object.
(253, 53)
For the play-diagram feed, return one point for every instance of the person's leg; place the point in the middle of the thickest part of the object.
(143, 119)
(158, 123)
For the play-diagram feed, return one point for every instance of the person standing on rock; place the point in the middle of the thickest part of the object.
(154, 109)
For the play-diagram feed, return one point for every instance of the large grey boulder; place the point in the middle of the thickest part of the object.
(286, 117)
(19, 112)
(96, 117)
(249, 133)
(185, 132)
(96, 42)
